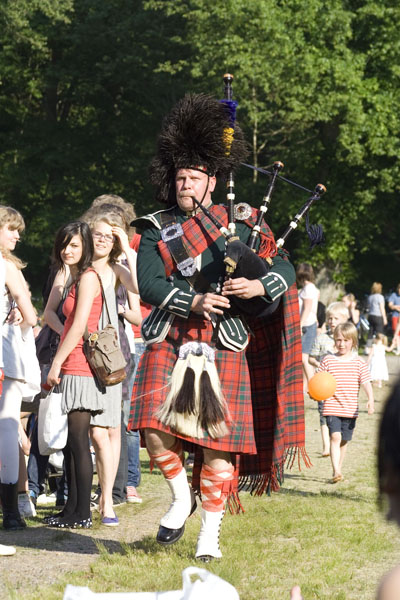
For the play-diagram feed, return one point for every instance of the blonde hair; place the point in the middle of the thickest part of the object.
(111, 203)
(348, 331)
(376, 288)
(112, 218)
(11, 217)
(338, 309)
(350, 297)
(380, 337)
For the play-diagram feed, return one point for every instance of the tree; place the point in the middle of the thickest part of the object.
(317, 86)
(81, 106)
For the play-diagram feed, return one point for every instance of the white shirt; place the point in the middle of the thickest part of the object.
(2, 292)
(309, 292)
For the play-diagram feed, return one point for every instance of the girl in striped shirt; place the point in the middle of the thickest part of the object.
(341, 410)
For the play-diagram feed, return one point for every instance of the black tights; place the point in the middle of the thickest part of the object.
(78, 467)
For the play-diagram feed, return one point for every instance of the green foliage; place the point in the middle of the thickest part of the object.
(84, 85)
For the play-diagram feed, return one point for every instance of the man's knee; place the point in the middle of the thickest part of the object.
(158, 441)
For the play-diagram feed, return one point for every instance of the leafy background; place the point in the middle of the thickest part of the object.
(84, 85)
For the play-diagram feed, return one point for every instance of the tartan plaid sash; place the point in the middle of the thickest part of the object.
(199, 233)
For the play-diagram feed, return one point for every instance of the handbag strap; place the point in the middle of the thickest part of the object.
(86, 335)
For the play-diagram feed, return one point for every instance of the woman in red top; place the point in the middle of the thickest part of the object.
(81, 395)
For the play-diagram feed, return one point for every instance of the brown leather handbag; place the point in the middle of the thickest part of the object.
(103, 352)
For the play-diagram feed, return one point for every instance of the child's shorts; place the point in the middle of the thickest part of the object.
(308, 335)
(343, 425)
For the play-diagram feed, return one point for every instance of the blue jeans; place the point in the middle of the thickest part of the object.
(133, 437)
(37, 470)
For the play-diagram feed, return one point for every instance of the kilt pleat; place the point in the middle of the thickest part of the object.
(152, 386)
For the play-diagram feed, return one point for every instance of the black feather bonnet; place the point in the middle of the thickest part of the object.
(197, 133)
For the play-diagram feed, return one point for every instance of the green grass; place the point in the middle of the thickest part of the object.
(330, 539)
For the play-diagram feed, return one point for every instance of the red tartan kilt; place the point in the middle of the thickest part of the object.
(151, 386)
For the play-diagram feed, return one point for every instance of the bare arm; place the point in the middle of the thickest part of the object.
(313, 361)
(383, 312)
(55, 297)
(306, 310)
(355, 314)
(370, 394)
(19, 291)
(127, 276)
(89, 288)
(133, 314)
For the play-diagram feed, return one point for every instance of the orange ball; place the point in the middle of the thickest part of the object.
(322, 386)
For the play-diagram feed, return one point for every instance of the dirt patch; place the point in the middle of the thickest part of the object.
(44, 554)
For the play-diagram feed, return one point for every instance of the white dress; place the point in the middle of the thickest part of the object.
(378, 365)
(19, 354)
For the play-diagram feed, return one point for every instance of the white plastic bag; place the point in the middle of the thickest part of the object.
(52, 424)
(208, 586)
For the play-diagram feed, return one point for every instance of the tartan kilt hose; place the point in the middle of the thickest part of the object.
(152, 386)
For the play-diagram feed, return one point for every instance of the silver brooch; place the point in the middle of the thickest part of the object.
(242, 211)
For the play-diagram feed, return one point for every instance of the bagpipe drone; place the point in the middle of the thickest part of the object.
(241, 260)
(201, 133)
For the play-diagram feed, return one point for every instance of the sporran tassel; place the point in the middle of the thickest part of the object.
(195, 402)
(212, 404)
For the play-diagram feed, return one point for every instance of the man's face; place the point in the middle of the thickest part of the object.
(189, 183)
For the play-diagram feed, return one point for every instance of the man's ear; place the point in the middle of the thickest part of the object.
(212, 183)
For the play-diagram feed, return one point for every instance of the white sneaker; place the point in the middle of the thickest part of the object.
(131, 495)
(26, 506)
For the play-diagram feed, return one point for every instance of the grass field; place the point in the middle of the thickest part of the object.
(330, 539)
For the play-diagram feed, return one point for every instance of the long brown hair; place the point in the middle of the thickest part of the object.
(11, 217)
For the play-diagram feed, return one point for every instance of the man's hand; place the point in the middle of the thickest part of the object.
(243, 288)
(205, 304)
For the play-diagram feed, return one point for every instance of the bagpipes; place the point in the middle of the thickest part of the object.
(242, 260)
(201, 133)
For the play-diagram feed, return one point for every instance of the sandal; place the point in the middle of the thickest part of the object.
(337, 478)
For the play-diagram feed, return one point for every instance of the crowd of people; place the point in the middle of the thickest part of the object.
(199, 366)
(201, 381)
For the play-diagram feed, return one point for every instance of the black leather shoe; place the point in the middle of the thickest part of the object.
(166, 536)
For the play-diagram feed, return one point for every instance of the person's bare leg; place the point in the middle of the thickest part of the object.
(308, 371)
(336, 439)
(325, 440)
(343, 450)
(22, 473)
(105, 469)
(158, 441)
(114, 435)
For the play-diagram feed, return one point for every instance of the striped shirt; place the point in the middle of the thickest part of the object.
(349, 375)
